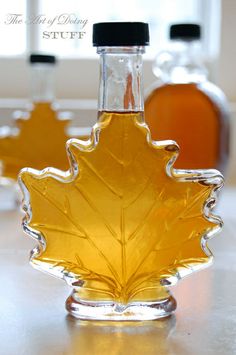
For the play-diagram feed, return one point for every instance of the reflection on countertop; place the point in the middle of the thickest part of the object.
(120, 338)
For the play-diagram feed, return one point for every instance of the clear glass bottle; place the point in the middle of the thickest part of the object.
(185, 106)
(42, 78)
(121, 225)
(30, 142)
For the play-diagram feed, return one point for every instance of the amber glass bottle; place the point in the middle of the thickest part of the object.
(186, 107)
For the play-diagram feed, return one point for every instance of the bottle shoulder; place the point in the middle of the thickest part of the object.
(214, 93)
(192, 91)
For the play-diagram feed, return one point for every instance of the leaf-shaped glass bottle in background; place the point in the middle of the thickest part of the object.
(39, 135)
(121, 225)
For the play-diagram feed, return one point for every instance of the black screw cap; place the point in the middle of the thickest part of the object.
(120, 34)
(42, 58)
(185, 31)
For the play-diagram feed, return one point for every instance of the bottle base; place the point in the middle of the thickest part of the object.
(111, 311)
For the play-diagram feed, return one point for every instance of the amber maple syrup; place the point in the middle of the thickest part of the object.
(193, 118)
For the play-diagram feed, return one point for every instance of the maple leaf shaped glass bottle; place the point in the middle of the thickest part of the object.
(38, 138)
(121, 225)
(183, 105)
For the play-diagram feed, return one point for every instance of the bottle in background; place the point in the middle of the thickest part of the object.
(38, 137)
(186, 107)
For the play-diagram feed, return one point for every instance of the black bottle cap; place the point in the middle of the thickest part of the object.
(42, 58)
(120, 34)
(185, 31)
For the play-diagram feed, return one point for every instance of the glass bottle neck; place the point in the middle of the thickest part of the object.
(42, 82)
(183, 63)
(121, 87)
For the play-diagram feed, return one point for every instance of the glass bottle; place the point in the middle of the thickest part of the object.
(121, 225)
(30, 142)
(185, 106)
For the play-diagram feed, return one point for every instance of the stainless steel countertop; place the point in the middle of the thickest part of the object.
(33, 320)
